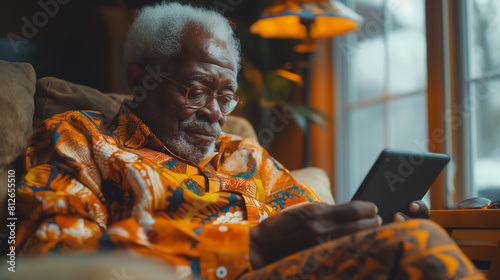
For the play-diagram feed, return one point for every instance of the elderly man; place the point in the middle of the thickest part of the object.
(161, 179)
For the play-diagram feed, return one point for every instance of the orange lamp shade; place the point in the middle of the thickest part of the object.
(280, 27)
(286, 18)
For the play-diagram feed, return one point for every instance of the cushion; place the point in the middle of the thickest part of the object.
(239, 126)
(54, 96)
(317, 179)
(17, 86)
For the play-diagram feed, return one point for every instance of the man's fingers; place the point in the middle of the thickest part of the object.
(355, 226)
(352, 211)
(419, 209)
(400, 217)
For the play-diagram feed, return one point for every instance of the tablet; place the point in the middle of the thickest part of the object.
(399, 177)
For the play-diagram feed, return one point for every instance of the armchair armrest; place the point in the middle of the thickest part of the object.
(317, 179)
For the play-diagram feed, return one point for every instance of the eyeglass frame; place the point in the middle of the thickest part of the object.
(211, 90)
(481, 203)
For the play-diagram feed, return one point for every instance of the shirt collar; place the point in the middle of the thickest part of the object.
(132, 132)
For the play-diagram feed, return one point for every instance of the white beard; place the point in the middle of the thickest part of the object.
(185, 146)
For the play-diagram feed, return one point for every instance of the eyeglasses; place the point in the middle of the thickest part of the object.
(198, 96)
(478, 203)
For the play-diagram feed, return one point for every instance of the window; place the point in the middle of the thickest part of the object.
(482, 80)
(381, 88)
(381, 91)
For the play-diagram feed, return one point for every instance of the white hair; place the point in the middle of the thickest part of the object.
(156, 33)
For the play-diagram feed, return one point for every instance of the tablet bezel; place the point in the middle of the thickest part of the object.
(392, 185)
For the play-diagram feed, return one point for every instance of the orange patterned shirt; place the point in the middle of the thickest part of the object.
(94, 183)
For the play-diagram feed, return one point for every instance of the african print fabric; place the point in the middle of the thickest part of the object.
(94, 184)
(416, 249)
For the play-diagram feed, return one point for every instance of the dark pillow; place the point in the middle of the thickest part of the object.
(54, 96)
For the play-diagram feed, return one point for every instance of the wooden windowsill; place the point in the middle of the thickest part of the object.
(467, 218)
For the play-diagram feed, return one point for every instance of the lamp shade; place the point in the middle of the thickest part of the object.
(292, 18)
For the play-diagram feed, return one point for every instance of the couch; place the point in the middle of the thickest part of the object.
(26, 102)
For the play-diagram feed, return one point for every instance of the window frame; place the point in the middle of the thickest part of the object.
(457, 68)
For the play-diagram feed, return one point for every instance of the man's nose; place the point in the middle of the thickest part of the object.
(212, 111)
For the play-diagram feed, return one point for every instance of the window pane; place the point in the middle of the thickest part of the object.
(368, 54)
(372, 12)
(408, 120)
(485, 105)
(366, 137)
(407, 46)
(484, 25)
(408, 62)
(390, 54)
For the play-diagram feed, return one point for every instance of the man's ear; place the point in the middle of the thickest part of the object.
(135, 75)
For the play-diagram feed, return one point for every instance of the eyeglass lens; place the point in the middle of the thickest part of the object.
(198, 96)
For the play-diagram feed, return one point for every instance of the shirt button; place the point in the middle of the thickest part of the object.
(221, 272)
(223, 228)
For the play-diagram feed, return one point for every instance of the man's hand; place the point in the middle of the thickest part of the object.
(303, 227)
(418, 209)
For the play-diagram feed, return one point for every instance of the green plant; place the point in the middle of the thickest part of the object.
(274, 89)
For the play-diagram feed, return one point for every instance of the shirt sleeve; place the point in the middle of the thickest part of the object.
(58, 212)
(64, 206)
(62, 215)
(282, 191)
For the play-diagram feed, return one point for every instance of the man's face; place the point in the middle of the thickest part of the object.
(190, 133)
